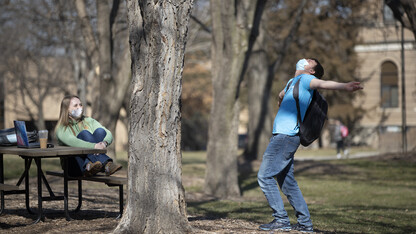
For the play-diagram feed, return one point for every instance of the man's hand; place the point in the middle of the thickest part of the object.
(353, 86)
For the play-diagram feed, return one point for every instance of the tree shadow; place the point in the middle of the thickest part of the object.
(24, 218)
(302, 168)
(207, 212)
(338, 216)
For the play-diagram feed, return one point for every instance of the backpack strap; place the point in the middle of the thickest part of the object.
(72, 130)
(296, 97)
(79, 126)
(288, 85)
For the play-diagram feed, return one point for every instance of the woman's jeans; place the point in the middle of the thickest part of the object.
(278, 162)
(77, 165)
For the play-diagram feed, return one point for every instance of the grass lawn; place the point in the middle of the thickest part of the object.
(352, 196)
(347, 196)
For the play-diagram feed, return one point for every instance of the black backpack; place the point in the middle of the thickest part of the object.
(8, 136)
(315, 116)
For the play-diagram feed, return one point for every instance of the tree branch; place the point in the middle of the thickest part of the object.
(203, 26)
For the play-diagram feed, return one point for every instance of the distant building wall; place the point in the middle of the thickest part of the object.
(381, 45)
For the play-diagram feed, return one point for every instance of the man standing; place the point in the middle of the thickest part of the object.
(278, 158)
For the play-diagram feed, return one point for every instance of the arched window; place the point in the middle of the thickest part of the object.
(389, 85)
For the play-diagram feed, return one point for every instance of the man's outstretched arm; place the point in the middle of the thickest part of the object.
(333, 85)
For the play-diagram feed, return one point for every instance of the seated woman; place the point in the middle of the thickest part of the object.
(76, 130)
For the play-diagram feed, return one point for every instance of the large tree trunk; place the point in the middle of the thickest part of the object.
(156, 202)
(232, 22)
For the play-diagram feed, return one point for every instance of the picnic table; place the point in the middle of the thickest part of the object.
(37, 154)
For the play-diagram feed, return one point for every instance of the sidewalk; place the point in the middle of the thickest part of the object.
(313, 157)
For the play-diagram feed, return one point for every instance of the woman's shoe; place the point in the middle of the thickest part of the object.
(92, 168)
(111, 168)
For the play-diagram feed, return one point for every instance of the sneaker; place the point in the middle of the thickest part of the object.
(92, 168)
(111, 168)
(338, 156)
(301, 228)
(276, 225)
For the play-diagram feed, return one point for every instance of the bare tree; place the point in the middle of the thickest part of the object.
(107, 53)
(232, 25)
(32, 56)
(158, 33)
(196, 90)
(405, 12)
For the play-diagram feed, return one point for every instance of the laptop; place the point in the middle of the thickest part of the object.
(21, 136)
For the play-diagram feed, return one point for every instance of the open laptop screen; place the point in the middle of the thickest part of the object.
(21, 135)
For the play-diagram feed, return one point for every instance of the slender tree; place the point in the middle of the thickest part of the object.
(234, 31)
(260, 80)
(158, 33)
(32, 69)
(107, 53)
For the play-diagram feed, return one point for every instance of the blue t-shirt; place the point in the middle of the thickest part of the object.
(287, 116)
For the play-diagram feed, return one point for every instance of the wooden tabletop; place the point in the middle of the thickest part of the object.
(57, 151)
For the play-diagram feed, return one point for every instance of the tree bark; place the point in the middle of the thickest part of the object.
(156, 201)
(231, 30)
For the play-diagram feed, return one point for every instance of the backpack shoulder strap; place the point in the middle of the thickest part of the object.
(288, 85)
(296, 97)
(72, 130)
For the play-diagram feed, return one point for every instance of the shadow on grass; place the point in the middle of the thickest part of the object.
(319, 167)
(50, 214)
(371, 219)
(213, 210)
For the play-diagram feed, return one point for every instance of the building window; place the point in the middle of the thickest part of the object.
(389, 85)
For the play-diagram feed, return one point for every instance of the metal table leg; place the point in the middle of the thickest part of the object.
(25, 175)
(121, 203)
(28, 162)
(79, 196)
(40, 210)
(65, 162)
(1, 181)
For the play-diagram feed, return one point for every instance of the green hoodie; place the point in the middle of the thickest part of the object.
(68, 135)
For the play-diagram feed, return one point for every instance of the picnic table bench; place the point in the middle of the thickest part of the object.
(110, 181)
(37, 154)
